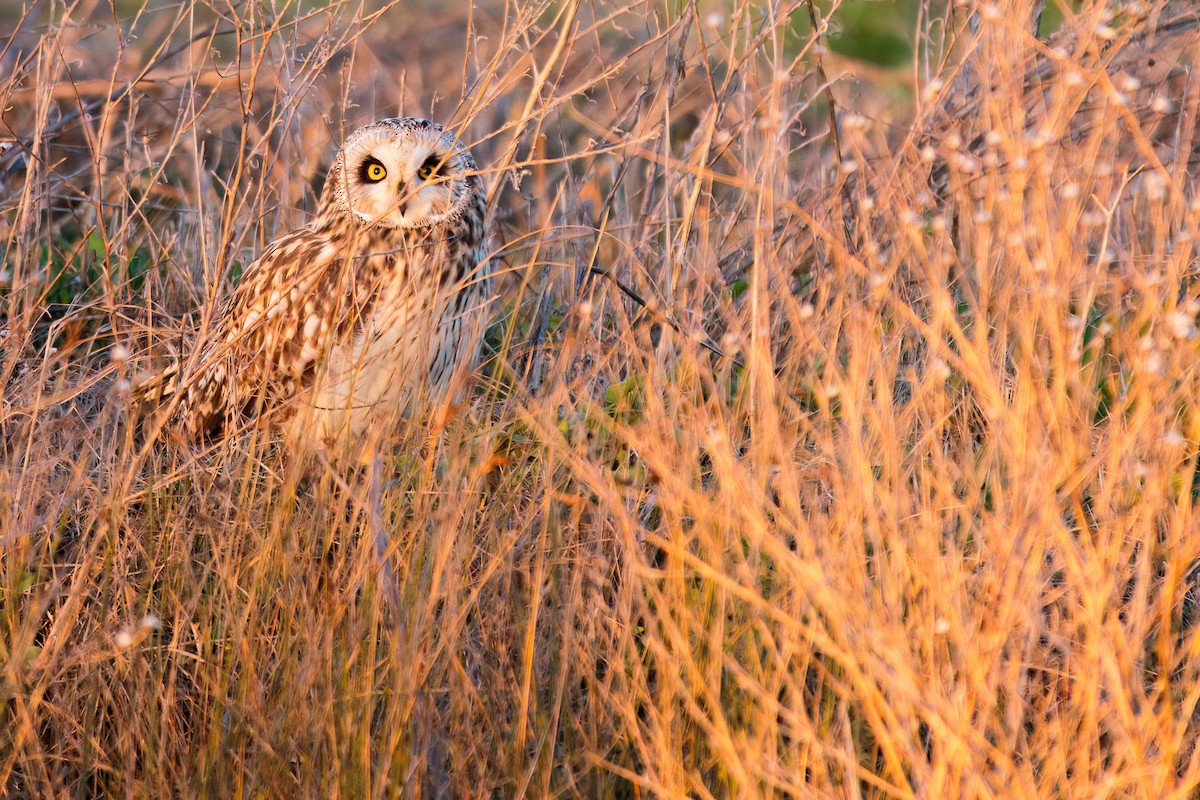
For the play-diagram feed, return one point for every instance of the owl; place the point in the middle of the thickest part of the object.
(348, 323)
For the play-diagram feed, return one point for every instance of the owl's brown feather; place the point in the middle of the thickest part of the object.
(345, 313)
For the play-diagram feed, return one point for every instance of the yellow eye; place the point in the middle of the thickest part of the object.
(429, 170)
(375, 171)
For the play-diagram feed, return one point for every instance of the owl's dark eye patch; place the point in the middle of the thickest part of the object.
(372, 170)
(429, 169)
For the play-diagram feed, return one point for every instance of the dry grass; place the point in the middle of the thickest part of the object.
(931, 534)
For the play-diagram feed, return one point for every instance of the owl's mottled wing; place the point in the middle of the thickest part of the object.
(289, 307)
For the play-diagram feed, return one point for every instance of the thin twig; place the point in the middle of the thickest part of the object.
(848, 217)
(675, 326)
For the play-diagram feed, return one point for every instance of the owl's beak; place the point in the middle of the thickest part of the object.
(401, 191)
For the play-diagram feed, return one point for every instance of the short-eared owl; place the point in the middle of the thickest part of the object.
(338, 326)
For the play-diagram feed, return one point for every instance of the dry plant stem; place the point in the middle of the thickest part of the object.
(936, 539)
(659, 315)
(834, 138)
(383, 549)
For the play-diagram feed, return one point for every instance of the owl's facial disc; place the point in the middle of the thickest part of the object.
(407, 178)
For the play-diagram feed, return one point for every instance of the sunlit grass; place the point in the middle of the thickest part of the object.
(924, 526)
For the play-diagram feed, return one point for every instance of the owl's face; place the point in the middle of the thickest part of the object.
(403, 173)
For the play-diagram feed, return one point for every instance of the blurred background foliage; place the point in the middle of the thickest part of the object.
(931, 535)
(879, 32)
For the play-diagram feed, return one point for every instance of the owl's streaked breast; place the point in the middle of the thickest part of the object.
(421, 301)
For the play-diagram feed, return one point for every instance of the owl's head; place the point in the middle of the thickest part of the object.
(402, 173)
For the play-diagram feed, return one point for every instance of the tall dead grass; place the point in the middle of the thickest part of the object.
(926, 529)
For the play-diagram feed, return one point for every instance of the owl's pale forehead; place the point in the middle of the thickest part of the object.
(380, 142)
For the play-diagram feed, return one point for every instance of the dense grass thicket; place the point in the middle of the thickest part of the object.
(805, 462)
